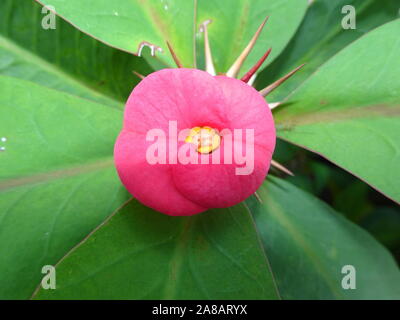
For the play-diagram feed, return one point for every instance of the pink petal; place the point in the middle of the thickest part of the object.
(192, 98)
(217, 185)
(248, 109)
(152, 185)
(189, 96)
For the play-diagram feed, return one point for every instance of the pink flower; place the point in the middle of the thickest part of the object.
(192, 140)
(192, 98)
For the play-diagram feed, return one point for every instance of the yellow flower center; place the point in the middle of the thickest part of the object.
(206, 139)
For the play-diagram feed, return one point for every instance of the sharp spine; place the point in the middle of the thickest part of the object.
(138, 74)
(234, 70)
(280, 167)
(173, 54)
(264, 92)
(207, 48)
(257, 66)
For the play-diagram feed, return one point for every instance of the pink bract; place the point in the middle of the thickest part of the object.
(192, 98)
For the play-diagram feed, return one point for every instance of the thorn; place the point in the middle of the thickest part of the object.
(281, 167)
(173, 54)
(273, 105)
(257, 66)
(264, 92)
(252, 80)
(207, 49)
(234, 70)
(138, 74)
(258, 197)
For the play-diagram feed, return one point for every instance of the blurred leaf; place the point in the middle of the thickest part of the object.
(142, 254)
(321, 36)
(352, 200)
(125, 24)
(57, 179)
(284, 151)
(64, 59)
(236, 21)
(301, 181)
(321, 174)
(349, 110)
(308, 243)
(384, 224)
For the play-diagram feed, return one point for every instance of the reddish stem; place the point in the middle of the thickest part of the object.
(257, 66)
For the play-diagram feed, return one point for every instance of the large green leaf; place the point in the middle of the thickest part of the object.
(76, 187)
(64, 59)
(236, 21)
(349, 111)
(308, 244)
(321, 36)
(142, 254)
(126, 24)
(57, 179)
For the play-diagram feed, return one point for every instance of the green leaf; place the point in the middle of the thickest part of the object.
(349, 110)
(321, 36)
(126, 24)
(308, 243)
(57, 179)
(142, 254)
(236, 21)
(64, 59)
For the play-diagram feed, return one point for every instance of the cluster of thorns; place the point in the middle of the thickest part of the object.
(234, 70)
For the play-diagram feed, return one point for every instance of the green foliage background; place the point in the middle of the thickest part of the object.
(62, 94)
